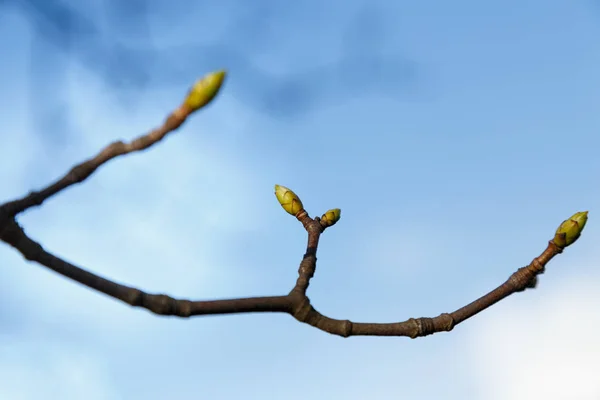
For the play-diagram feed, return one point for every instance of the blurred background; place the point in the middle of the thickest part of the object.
(455, 137)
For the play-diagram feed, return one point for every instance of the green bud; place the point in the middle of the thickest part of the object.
(331, 217)
(568, 232)
(289, 200)
(204, 90)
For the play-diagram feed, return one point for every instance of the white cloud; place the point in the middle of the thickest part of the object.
(540, 347)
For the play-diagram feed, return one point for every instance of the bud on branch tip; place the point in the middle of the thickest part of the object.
(204, 90)
(288, 199)
(570, 230)
(331, 217)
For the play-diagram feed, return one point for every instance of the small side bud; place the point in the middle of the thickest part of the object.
(288, 199)
(331, 217)
(204, 90)
(570, 230)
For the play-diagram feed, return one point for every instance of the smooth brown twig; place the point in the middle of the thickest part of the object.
(295, 303)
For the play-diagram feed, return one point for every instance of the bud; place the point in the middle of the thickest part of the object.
(289, 200)
(331, 217)
(204, 90)
(568, 232)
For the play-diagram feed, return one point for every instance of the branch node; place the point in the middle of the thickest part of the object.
(537, 266)
(135, 298)
(162, 304)
(417, 323)
(12, 234)
(302, 215)
(303, 309)
(346, 328)
(522, 279)
(555, 249)
(425, 327)
(447, 322)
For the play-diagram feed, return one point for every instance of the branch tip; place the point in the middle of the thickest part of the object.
(204, 91)
(570, 230)
(289, 200)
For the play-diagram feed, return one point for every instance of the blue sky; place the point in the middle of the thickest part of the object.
(454, 136)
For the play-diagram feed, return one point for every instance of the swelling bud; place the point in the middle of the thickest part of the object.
(331, 217)
(570, 230)
(288, 199)
(204, 90)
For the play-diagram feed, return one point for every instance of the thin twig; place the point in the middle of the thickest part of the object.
(296, 302)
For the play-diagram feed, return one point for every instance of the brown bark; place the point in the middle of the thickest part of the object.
(295, 303)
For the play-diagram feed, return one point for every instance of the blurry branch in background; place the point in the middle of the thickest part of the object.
(296, 302)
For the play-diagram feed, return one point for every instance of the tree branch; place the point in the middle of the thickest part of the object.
(161, 304)
(82, 171)
(296, 302)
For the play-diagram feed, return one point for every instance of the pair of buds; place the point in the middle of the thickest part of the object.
(205, 90)
(292, 204)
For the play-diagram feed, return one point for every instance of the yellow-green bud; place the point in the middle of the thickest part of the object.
(289, 200)
(204, 90)
(568, 232)
(331, 217)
